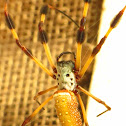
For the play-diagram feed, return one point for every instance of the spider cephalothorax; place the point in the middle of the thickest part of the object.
(65, 75)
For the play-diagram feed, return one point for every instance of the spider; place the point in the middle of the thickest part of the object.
(67, 73)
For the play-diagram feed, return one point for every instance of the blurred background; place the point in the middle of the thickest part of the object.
(21, 78)
(108, 79)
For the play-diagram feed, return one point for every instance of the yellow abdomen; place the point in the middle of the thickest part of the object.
(67, 108)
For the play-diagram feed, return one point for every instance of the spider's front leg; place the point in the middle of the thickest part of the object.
(81, 36)
(24, 49)
(96, 50)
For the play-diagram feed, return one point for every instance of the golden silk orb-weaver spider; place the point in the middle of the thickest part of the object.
(67, 73)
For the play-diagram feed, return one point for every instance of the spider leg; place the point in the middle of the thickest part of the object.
(95, 98)
(36, 111)
(98, 47)
(83, 109)
(23, 48)
(45, 91)
(44, 38)
(51, 7)
(81, 35)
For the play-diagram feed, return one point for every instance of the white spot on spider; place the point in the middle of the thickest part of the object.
(62, 94)
(66, 113)
(69, 121)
